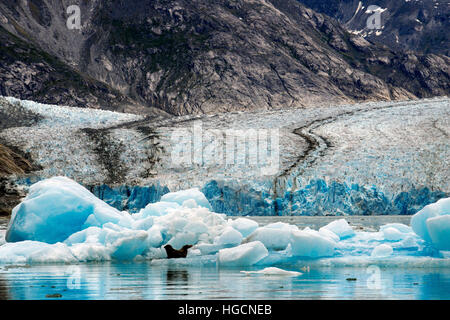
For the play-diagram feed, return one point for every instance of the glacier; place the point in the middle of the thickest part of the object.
(60, 221)
(374, 158)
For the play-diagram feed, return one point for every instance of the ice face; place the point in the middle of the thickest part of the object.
(61, 221)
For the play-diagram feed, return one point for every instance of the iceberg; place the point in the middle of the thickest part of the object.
(439, 231)
(272, 271)
(382, 251)
(229, 237)
(60, 221)
(28, 252)
(244, 226)
(189, 195)
(244, 255)
(273, 238)
(340, 227)
(311, 244)
(432, 224)
(56, 208)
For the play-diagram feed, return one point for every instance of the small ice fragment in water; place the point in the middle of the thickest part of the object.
(272, 271)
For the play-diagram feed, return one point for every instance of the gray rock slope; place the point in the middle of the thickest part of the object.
(420, 25)
(200, 56)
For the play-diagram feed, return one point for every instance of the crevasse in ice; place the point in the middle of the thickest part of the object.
(61, 221)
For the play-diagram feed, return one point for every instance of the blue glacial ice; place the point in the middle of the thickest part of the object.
(61, 221)
(432, 224)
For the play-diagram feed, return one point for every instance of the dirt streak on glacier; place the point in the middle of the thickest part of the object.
(372, 158)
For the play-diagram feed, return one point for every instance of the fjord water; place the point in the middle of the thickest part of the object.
(146, 281)
(172, 280)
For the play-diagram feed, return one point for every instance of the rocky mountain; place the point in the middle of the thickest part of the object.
(419, 25)
(200, 56)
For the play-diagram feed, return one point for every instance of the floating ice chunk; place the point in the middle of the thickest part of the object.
(382, 251)
(89, 235)
(127, 244)
(244, 255)
(182, 239)
(190, 203)
(341, 228)
(409, 242)
(143, 224)
(90, 252)
(193, 253)
(156, 253)
(56, 208)
(244, 226)
(439, 231)
(35, 252)
(191, 194)
(392, 234)
(156, 209)
(230, 237)
(329, 234)
(118, 242)
(418, 221)
(197, 227)
(398, 226)
(208, 248)
(155, 238)
(282, 226)
(311, 244)
(272, 238)
(272, 271)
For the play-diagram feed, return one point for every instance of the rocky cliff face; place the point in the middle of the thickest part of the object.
(420, 25)
(200, 56)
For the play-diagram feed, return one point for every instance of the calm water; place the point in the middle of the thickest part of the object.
(169, 280)
(145, 281)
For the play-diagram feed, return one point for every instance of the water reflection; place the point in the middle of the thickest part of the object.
(177, 277)
(4, 292)
(171, 281)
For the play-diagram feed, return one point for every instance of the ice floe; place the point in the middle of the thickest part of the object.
(62, 222)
